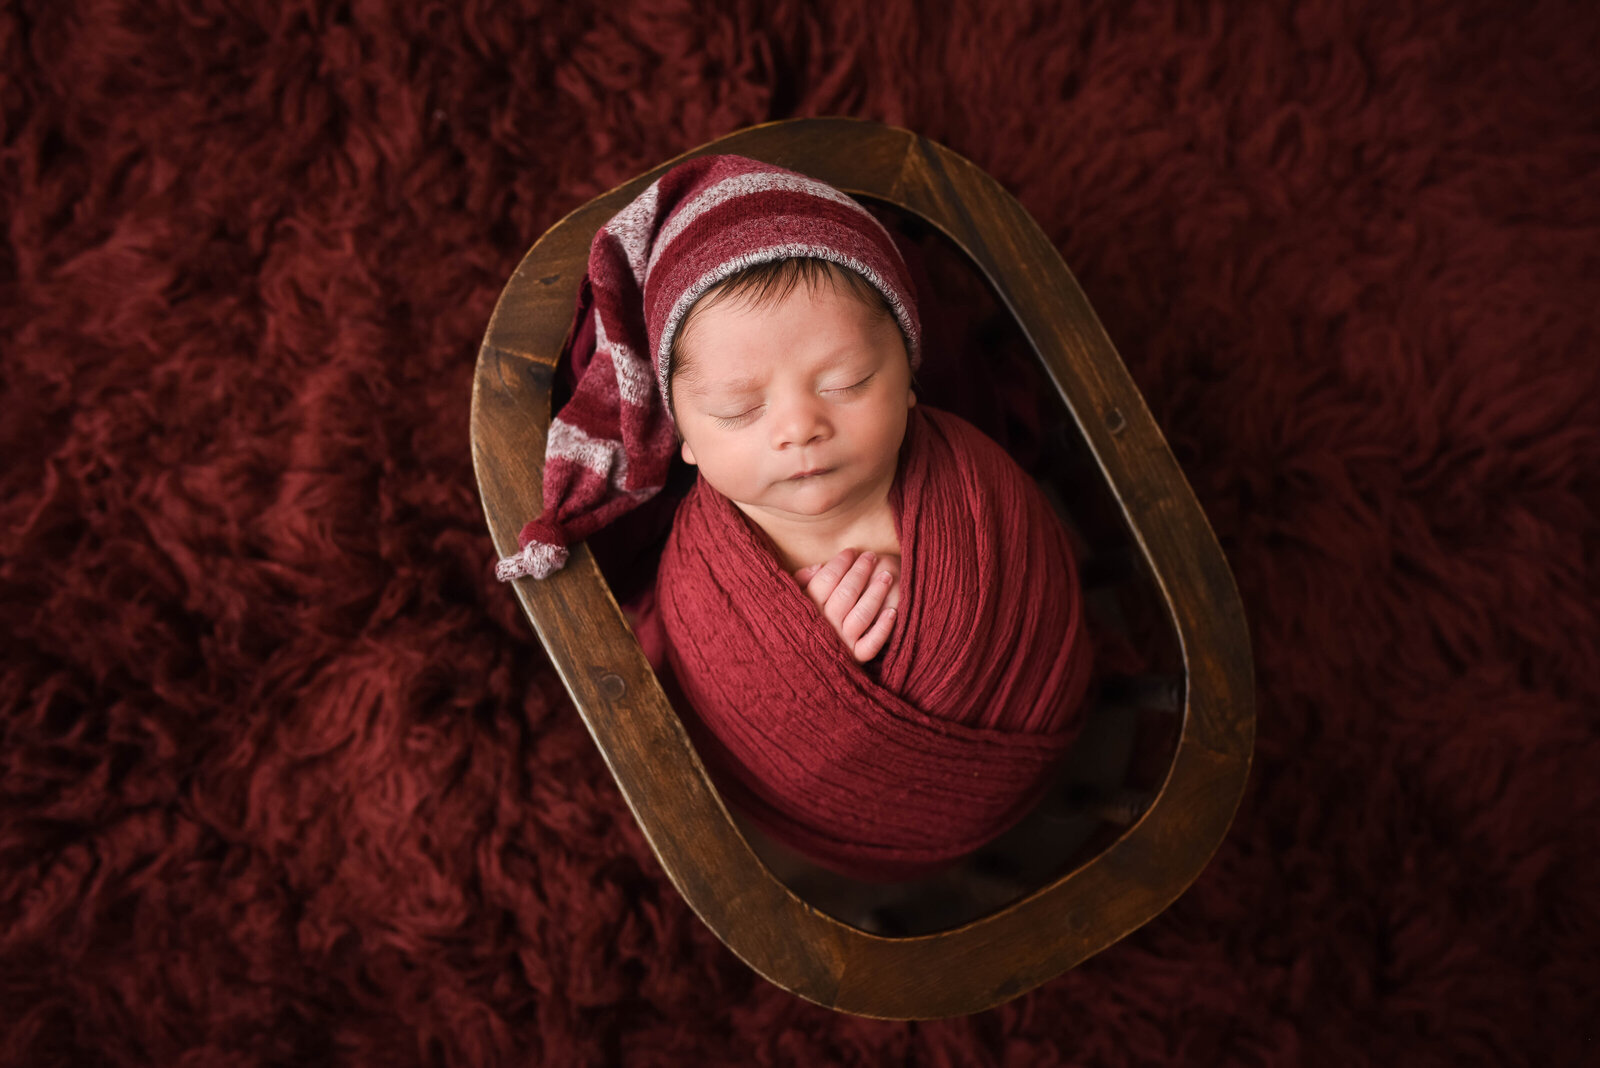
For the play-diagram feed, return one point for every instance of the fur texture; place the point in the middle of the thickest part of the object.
(284, 776)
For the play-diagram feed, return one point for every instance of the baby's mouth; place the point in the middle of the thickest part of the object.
(809, 473)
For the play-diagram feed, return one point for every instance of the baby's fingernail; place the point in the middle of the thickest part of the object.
(869, 555)
(884, 576)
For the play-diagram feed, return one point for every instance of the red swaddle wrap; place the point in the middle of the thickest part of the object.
(976, 697)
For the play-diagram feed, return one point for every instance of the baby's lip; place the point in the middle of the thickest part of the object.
(809, 472)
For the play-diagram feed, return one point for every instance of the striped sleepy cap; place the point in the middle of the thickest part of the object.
(706, 219)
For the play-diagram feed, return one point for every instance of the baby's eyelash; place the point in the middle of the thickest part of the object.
(731, 421)
(858, 386)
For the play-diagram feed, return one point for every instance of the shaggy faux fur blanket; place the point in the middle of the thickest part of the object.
(888, 773)
(284, 775)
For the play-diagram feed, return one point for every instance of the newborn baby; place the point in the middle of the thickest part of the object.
(872, 613)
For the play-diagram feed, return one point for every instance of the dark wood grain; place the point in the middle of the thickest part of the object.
(1000, 955)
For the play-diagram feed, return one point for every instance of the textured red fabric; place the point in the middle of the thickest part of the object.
(610, 446)
(284, 775)
(894, 772)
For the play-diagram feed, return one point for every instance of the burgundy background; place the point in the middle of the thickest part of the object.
(286, 776)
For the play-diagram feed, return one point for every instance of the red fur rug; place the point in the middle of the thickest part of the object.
(285, 776)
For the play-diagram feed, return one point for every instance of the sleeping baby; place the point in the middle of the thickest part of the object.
(793, 406)
(871, 611)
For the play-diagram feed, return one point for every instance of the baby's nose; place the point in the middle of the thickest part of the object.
(801, 421)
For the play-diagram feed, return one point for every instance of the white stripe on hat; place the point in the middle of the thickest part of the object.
(603, 456)
(743, 185)
(634, 383)
(633, 226)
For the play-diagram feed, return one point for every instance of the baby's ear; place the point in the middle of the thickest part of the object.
(688, 453)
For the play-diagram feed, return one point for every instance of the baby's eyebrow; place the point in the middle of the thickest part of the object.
(733, 387)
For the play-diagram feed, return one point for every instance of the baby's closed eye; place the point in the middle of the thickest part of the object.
(728, 422)
(854, 387)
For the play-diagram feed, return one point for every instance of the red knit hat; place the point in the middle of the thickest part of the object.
(706, 219)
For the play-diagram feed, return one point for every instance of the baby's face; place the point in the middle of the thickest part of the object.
(795, 410)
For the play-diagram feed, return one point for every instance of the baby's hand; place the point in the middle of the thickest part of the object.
(857, 595)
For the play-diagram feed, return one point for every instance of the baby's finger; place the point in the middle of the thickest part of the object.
(803, 576)
(872, 642)
(849, 590)
(861, 617)
(826, 579)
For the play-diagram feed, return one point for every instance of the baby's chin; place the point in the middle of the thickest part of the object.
(814, 497)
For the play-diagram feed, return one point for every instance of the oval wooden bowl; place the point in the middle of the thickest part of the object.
(1167, 836)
